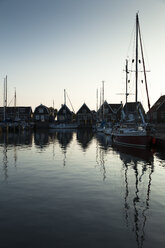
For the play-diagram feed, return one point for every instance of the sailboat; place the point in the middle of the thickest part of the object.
(133, 131)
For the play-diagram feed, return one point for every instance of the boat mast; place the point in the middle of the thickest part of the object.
(126, 92)
(136, 65)
(5, 97)
(103, 97)
(64, 97)
(15, 99)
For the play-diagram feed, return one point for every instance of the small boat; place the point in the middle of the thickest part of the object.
(134, 132)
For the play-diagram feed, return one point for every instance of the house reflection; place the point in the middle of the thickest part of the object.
(18, 139)
(84, 138)
(14, 140)
(64, 138)
(41, 139)
(138, 169)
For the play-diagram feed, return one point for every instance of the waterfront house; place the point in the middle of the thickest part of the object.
(109, 112)
(22, 114)
(84, 117)
(64, 115)
(157, 111)
(41, 116)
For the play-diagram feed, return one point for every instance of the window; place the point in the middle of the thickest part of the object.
(41, 111)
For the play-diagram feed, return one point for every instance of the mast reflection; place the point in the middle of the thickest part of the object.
(137, 189)
(103, 142)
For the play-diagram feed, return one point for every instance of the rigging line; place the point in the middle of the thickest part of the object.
(132, 36)
(10, 101)
(145, 78)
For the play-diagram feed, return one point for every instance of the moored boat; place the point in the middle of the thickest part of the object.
(133, 130)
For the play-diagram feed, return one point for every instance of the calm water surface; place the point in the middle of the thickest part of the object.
(73, 189)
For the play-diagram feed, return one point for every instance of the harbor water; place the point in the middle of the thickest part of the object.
(74, 189)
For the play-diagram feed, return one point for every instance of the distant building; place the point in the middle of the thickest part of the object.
(109, 112)
(64, 115)
(85, 117)
(157, 111)
(16, 113)
(41, 116)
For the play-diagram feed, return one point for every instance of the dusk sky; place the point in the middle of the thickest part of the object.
(47, 46)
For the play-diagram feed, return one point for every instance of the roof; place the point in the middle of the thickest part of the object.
(158, 104)
(115, 107)
(21, 109)
(84, 106)
(42, 106)
(132, 106)
(64, 107)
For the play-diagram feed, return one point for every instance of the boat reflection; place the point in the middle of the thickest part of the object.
(138, 169)
(104, 140)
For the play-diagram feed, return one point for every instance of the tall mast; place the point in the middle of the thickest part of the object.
(136, 65)
(97, 100)
(103, 97)
(4, 110)
(126, 92)
(103, 91)
(64, 96)
(15, 99)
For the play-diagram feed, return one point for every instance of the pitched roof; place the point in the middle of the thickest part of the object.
(21, 109)
(84, 106)
(42, 106)
(132, 106)
(158, 104)
(64, 107)
(115, 107)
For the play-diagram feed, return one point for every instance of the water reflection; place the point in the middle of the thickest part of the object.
(16, 141)
(138, 168)
(41, 139)
(64, 138)
(135, 170)
(103, 142)
(84, 137)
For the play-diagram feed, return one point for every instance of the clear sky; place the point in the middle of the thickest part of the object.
(47, 46)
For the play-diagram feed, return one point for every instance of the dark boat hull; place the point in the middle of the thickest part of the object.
(133, 141)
